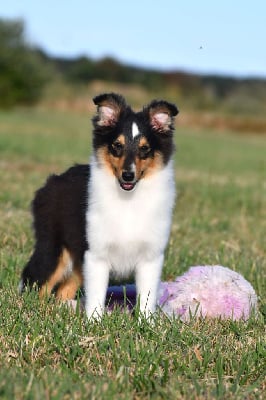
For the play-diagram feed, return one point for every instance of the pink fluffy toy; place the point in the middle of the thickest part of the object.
(211, 291)
(208, 291)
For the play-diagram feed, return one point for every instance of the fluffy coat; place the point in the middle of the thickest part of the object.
(111, 218)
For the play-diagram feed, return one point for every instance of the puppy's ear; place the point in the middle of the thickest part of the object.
(161, 116)
(109, 108)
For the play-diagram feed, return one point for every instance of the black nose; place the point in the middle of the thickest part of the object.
(128, 176)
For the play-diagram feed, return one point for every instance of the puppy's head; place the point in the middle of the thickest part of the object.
(132, 145)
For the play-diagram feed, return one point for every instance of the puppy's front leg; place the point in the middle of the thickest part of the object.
(148, 275)
(96, 276)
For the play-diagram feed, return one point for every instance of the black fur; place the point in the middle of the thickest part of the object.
(59, 222)
(59, 207)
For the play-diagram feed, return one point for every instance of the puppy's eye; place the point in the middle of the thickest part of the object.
(144, 149)
(117, 146)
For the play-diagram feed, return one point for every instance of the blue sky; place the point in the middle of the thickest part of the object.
(205, 36)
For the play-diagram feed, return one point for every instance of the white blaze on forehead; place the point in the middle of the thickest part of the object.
(135, 130)
(133, 167)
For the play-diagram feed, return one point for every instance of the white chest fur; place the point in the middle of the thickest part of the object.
(124, 228)
(127, 232)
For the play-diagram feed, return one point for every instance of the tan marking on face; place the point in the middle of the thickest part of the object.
(121, 139)
(68, 288)
(57, 275)
(143, 142)
(147, 167)
(114, 165)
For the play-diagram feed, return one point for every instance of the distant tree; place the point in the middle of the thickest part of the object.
(22, 74)
(82, 69)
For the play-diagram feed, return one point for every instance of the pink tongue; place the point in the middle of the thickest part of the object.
(127, 186)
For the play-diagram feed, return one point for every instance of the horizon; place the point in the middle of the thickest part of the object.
(156, 69)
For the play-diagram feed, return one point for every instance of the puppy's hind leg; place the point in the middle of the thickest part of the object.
(72, 280)
(45, 268)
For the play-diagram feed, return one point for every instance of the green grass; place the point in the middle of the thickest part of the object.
(50, 352)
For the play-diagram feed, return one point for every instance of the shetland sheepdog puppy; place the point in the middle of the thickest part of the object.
(110, 218)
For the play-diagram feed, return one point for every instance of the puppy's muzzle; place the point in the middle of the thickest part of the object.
(128, 180)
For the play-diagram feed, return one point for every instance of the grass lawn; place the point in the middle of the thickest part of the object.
(50, 352)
